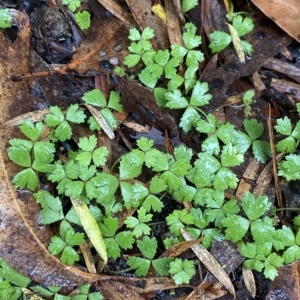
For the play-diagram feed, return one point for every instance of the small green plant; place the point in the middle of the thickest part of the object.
(182, 270)
(238, 28)
(65, 242)
(83, 19)
(5, 18)
(247, 99)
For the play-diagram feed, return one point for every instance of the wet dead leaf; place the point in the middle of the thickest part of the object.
(136, 127)
(101, 121)
(284, 12)
(210, 263)
(249, 281)
(34, 116)
(178, 249)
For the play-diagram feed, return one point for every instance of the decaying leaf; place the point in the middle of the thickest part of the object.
(249, 281)
(284, 12)
(210, 263)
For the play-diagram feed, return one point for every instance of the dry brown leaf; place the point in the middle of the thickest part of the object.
(210, 263)
(285, 13)
(34, 116)
(101, 121)
(249, 281)
(136, 127)
(178, 249)
(286, 87)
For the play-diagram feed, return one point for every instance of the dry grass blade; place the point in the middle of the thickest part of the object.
(118, 11)
(249, 281)
(34, 116)
(210, 263)
(237, 43)
(136, 127)
(101, 121)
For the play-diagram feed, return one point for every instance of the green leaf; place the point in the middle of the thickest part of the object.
(145, 144)
(247, 47)
(255, 208)
(113, 249)
(131, 60)
(291, 254)
(236, 227)
(211, 145)
(100, 156)
(229, 156)
(170, 67)
(87, 143)
(156, 160)
(253, 128)
(272, 262)
(69, 256)
(187, 5)
(284, 126)
(180, 167)
(261, 151)
(19, 155)
(162, 265)
(182, 270)
(63, 131)
(189, 119)
(31, 130)
(198, 97)
(242, 141)
(183, 152)
(176, 100)
(134, 34)
(242, 25)
(148, 33)
(157, 185)
(150, 75)
(177, 219)
(225, 179)
(290, 167)
(207, 126)
(114, 101)
(25, 178)
(262, 230)
(190, 39)
(159, 94)
(5, 18)
(83, 19)
(147, 246)
(226, 133)
(141, 265)
(161, 57)
(109, 226)
(247, 250)
(56, 245)
(219, 41)
(51, 207)
(131, 164)
(152, 203)
(95, 97)
(106, 185)
(171, 180)
(55, 117)
(125, 239)
(286, 145)
(72, 4)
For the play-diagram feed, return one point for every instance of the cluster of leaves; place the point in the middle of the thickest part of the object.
(240, 26)
(165, 64)
(289, 167)
(83, 18)
(5, 18)
(37, 155)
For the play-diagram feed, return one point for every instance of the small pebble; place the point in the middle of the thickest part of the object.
(102, 53)
(117, 48)
(114, 61)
